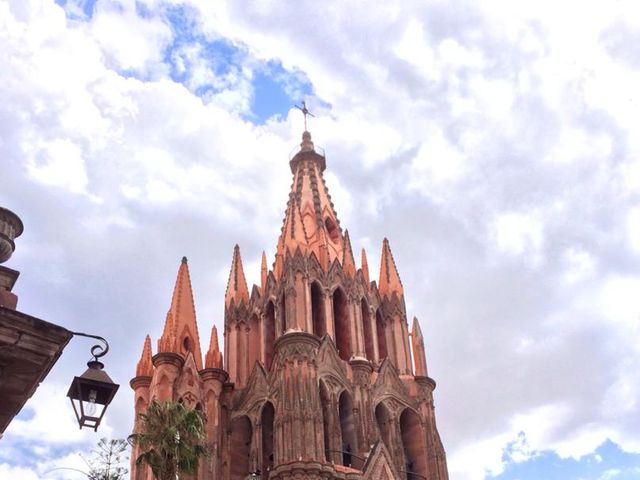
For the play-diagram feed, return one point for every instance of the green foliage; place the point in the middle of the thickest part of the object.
(106, 461)
(171, 439)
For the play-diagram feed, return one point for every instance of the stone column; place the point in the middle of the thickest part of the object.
(213, 380)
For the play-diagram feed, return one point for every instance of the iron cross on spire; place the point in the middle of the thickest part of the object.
(305, 111)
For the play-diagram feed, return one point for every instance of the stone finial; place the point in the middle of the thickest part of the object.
(389, 278)
(213, 358)
(145, 364)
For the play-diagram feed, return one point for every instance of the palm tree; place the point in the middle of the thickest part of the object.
(171, 439)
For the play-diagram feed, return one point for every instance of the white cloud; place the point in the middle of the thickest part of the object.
(471, 140)
(519, 234)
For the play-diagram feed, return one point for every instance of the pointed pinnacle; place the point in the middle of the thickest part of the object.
(181, 318)
(213, 358)
(237, 289)
(416, 331)
(365, 266)
(263, 273)
(348, 262)
(389, 278)
(145, 364)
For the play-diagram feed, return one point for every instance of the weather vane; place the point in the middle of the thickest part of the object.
(305, 111)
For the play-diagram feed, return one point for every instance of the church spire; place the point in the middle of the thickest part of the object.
(214, 356)
(145, 364)
(311, 223)
(180, 334)
(389, 277)
(237, 289)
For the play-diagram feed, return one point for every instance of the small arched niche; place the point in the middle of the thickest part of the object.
(332, 229)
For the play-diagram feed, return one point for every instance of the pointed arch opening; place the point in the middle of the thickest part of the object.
(240, 448)
(382, 336)
(347, 428)
(341, 321)
(367, 330)
(254, 343)
(383, 419)
(325, 401)
(317, 310)
(269, 334)
(282, 307)
(266, 420)
(413, 443)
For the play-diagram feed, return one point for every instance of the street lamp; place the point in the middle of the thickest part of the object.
(92, 392)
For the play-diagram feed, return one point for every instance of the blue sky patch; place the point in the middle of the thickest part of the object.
(208, 66)
(275, 91)
(73, 8)
(609, 462)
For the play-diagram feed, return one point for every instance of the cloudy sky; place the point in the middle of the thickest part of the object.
(497, 147)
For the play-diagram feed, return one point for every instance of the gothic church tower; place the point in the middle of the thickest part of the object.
(321, 377)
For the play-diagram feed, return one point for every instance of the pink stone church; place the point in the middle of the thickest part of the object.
(321, 377)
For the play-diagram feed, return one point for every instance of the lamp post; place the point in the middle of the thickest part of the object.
(92, 392)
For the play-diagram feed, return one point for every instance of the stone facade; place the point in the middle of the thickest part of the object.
(321, 378)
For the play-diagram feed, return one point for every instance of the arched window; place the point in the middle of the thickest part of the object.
(382, 336)
(282, 306)
(347, 428)
(325, 401)
(317, 310)
(266, 420)
(269, 334)
(383, 419)
(366, 328)
(341, 320)
(413, 443)
(240, 448)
